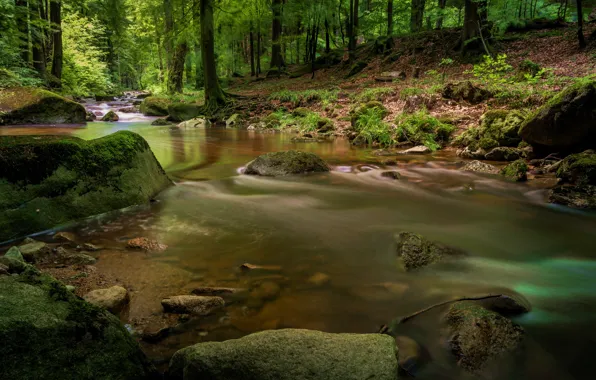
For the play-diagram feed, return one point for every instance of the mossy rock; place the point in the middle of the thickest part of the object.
(286, 163)
(565, 123)
(465, 91)
(301, 112)
(49, 180)
(487, 143)
(183, 111)
(503, 153)
(415, 251)
(480, 336)
(111, 116)
(516, 171)
(160, 122)
(578, 169)
(359, 110)
(576, 196)
(356, 68)
(235, 121)
(23, 105)
(290, 354)
(49, 333)
(154, 106)
(502, 126)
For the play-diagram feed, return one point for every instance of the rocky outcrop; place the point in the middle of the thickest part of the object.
(112, 299)
(465, 91)
(286, 163)
(577, 176)
(289, 355)
(183, 111)
(415, 251)
(22, 105)
(50, 180)
(49, 333)
(565, 123)
(480, 336)
(154, 106)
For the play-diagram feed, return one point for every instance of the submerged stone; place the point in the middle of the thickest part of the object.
(286, 163)
(289, 355)
(34, 251)
(24, 105)
(199, 305)
(198, 122)
(14, 253)
(160, 122)
(49, 180)
(113, 299)
(415, 251)
(480, 167)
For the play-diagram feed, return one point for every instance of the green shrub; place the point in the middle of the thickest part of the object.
(376, 93)
(305, 97)
(373, 129)
(420, 128)
(493, 70)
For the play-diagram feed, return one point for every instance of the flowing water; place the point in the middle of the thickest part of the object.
(343, 224)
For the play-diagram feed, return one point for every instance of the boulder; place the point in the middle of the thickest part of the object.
(198, 305)
(412, 357)
(392, 174)
(111, 116)
(577, 177)
(145, 244)
(49, 333)
(113, 299)
(50, 180)
(199, 122)
(154, 106)
(480, 336)
(67, 238)
(416, 251)
(473, 154)
(160, 122)
(480, 167)
(420, 149)
(286, 163)
(14, 253)
(504, 154)
(183, 111)
(565, 123)
(22, 105)
(516, 171)
(289, 355)
(580, 197)
(90, 116)
(465, 91)
(34, 251)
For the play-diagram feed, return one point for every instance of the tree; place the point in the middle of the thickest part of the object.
(417, 15)
(390, 17)
(214, 95)
(277, 60)
(475, 18)
(56, 20)
(580, 25)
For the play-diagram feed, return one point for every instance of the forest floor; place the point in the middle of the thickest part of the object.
(331, 94)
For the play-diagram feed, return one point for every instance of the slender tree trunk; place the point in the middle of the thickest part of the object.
(56, 19)
(314, 47)
(440, 18)
(259, 53)
(417, 15)
(168, 32)
(472, 39)
(277, 60)
(327, 37)
(252, 53)
(580, 24)
(351, 32)
(22, 21)
(188, 67)
(176, 72)
(389, 17)
(214, 95)
(37, 42)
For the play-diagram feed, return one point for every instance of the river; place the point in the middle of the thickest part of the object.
(342, 224)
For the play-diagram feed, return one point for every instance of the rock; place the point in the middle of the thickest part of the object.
(145, 244)
(13, 265)
(319, 279)
(516, 171)
(580, 197)
(160, 122)
(480, 336)
(27, 105)
(67, 238)
(154, 106)
(391, 76)
(60, 336)
(504, 154)
(565, 123)
(113, 299)
(197, 305)
(477, 154)
(128, 110)
(76, 259)
(415, 251)
(90, 116)
(70, 288)
(216, 291)
(90, 247)
(14, 253)
(465, 91)
(266, 291)
(289, 355)
(502, 126)
(183, 111)
(480, 167)
(361, 109)
(412, 357)
(199, 122)
(507, 305)
(286, 163)
(234, 121)
(577, 177)
(325, 126)
(70, 178)
(356, 68)
(4, 270)
(391, 174)
(420, 149)
(35, 251)
(247, 267)
(111, 116)
(28, 240)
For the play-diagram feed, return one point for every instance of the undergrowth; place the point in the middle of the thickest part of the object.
(371, 94)
(420, 128)
(297, 98)
(373, 129)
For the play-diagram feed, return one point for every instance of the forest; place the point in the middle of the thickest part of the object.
(297, 189)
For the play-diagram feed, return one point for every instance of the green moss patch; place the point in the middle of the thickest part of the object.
(23, 105)
(155, 106)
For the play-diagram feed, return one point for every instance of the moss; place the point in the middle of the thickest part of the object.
(155, 106)
(517, 171)
(356, 68)
(361, 109)
(465, 91)
(420, 128)
(183, 111)
(46, 181)
(415, 251)
(301, 112)
(487, 143)
(579, 169)
(23, 105)
(285, 163)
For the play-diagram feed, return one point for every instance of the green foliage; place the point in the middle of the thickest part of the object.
(373, 129)
(305, 97)
(421, 128)
(375, 93)
(493, 70)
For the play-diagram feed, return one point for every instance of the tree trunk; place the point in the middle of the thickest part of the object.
(168, 31)
(37, 40)
(472, 39)
(390, 17)
(351, 31)
(258, 53)
(56, 19)
(580, 25)
(22, 21)
(327, 37)
(188, 67)
(277, 60)
(214, 95)
(440, 18)
(176, 71)
(417, 15)
(252, 53)
(313, 54)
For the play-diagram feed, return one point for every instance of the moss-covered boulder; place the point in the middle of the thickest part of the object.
(49, 180)
(516, 171)
(111, 117)
(479, 336)
(49, 333)
(361, 109)
(480, 167)
(503, 153)
(498, 128)
(183, 111)
(286, 163)
(155, 106)
(465, 91)
(415, 251)
(566, 123)
(23, 105)
(289, 355)
(577, 176)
